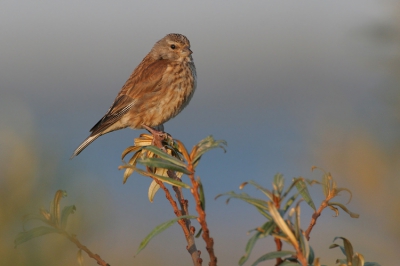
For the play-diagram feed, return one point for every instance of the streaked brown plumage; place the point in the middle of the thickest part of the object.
(157, 90)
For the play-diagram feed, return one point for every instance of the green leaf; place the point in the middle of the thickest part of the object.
(39, 217)
(165, 156)
(274, 255)
(371, 264)
(348, 248)
(201, 194)
(245, 197)
(162, 178)
(265, 229)
(297, 219)
(352, 214)
(204, 146)
(161, 163)
(289, 202)
(199, 233)
(289, 263)
(325, 185)
(249, 247)
(302, 188)
(305, 247)
(65, 214)
(32, 233)
(264, 213)
(311, 257)
(279, 183)
(338, 190)
(294, 182)
(160, 228)
(259, 187)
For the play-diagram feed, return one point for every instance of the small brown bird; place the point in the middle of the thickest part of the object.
(157, 90)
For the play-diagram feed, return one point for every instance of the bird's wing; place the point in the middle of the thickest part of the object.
(121, 106)
(143, 81)
(146, 78)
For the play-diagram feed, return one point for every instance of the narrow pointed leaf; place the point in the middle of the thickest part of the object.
(274, 255)
(65, 214)
(199, 233)
(279, 183)
(325, 185)
(302, 188)
(201, 194)
(162, 178)
(79, 257)
(336, 210)
(161, 163)
(249, 247)
(282, 224)
(165, 156)
(264, 213)
(183, 150)
(338, 190)
(129, 171)
(259, 187)
(289, 263)
(265, 229)
(205, 145)
(348, 248)
(352, 214)
(160, 228)
(289, 202)
(154, 187)
(341, 248)
(129, 150)
(32, 233)
(253, 201)
(371, 264)
(311, 258)
(297, 219)
(358, 260)
(44, 218)
(294, 182)
(55, 206)
(305, 247)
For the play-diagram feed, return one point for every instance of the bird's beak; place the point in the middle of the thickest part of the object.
(186, 50)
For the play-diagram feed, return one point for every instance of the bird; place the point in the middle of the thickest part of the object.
(158, 89)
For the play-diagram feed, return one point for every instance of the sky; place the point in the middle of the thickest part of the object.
(288, 85)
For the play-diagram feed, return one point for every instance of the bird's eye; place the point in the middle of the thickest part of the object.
(173, 46)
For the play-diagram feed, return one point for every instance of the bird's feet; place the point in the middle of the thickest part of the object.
(158, 137)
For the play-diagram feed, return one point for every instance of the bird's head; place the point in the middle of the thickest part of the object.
(175, 47)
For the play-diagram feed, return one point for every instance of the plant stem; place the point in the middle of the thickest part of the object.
(73, 239)
(202, 218)
(317, 214)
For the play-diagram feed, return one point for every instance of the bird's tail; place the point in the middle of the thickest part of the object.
(84, 144)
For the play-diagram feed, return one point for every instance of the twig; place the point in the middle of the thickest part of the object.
(316, 214)
(202, 218)
(73, 239)
(278, 242)
(184, 223)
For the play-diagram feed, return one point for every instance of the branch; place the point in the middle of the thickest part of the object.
(317, 214)
(73, 239)
(202, 218)
(188, 230)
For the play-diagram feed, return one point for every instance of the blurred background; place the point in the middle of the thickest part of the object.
(287, 85)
